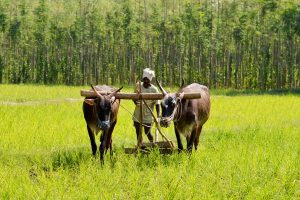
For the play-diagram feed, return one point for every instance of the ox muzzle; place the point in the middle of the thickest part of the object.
(165, 121)
(103, 124)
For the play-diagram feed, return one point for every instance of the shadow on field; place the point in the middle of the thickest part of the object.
(233, 92)
(154, 158)
(70, 158)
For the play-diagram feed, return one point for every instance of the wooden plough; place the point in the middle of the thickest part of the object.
(166, 146)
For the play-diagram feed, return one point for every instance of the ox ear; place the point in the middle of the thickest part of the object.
(91, 102)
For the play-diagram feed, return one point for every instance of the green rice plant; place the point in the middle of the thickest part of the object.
(249, 149)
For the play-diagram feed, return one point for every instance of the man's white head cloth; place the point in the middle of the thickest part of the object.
(147, 72)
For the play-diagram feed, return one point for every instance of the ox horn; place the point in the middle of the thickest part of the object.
(161, 88)
(115, 92)
(96, 92)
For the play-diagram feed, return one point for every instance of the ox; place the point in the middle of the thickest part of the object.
(100, 114)
(189, 115)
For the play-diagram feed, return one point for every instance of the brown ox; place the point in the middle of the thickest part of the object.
(100, 114)
(189, 115)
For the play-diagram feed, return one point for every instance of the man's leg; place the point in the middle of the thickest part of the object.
(138, 134)
(147, 130)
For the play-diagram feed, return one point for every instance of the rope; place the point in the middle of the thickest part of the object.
(171, 144)
(134, 117)
(178, 115)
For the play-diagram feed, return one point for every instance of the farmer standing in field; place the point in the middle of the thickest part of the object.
(146, 87)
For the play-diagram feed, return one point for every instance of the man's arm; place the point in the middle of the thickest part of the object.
(157, 107)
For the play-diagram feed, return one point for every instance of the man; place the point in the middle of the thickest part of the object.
(146, 87)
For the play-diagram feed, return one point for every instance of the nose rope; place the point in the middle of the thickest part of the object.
(179, 113)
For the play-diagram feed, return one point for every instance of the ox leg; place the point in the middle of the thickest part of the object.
(191, 140)
(92, 139)
(109, 139)
(103, 141)
(179, 143)
(187, 139)
(199, 129)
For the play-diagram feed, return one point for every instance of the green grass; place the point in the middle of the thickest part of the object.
(249, 149)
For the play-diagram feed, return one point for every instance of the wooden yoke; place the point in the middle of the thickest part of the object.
(138, 96)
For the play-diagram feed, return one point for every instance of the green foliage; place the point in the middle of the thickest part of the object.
(291, 23)
(41, 21)
(14, 30)
(2, 20)
(241, 44)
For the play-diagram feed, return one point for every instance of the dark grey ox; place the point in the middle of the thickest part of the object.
(100, 114)
(189, 115)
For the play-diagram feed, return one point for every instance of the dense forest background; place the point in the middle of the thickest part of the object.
(240, 44)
